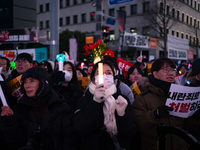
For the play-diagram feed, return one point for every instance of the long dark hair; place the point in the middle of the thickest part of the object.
(96, 66)
(74, 84)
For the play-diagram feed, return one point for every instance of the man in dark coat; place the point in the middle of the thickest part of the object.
(41, 120)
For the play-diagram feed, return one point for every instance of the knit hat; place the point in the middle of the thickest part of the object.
(40, 74)
(36, 72)
(195, 67)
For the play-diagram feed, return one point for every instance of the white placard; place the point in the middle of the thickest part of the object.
(73, 49)
(136, 40)
(184, 100)
(174, 53)
(176, 42)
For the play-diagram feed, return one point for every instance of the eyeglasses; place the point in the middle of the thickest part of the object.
(167, 70)
(21, 61)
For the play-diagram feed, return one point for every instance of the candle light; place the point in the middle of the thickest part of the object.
(60, 58)
(100, 66)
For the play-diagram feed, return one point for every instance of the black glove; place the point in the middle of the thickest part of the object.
(59, 77)
(162, 111)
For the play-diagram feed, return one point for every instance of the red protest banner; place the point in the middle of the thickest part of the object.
(123, 65)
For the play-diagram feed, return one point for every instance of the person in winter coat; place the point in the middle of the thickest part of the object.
(103, 112)
(193, 79)
(134, 75)
(24, 61)
(150, 109)
(66, 84)
(41, 119)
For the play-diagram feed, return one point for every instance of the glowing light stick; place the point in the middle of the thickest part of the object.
(3, 99)
(60, 58)
(100, 66)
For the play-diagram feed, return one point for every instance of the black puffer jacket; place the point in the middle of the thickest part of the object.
(54, 132)
(88, 122)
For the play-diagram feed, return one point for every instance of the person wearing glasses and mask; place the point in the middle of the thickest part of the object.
(150, 109)
(103, 112)
(11, 86)
(66, 84)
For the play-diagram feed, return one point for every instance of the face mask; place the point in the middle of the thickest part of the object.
(68, 76)
(107, 80)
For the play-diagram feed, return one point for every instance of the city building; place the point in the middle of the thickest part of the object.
(17, 14)
(80, 15)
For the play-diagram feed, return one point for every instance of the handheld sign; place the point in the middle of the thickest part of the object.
(3, 99)
(135, 89)
(14, 87)
(100, 66)
(60, 58)
(184, 100)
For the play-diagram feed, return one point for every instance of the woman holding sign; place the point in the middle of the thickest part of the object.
(103, 113)
(41, 119)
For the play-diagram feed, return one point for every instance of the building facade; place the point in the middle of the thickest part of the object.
(17, 14)
(80, 15)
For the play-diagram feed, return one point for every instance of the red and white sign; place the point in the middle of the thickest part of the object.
(190, 55)
(178, 78)
(123, 65)
(9, 55)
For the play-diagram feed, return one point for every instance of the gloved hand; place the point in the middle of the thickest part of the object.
(59, 77)
(99, 93)
(121, 105)
(6, 111)
(162, 111)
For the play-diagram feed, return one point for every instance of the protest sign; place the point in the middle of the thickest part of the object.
(178, 78)
(135, 89)
(184, 100)
(14, 87)
(123, 65)
(149, 66)
(84, 81)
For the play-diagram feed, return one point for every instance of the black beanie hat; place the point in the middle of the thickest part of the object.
(42, 75)
(196, 67)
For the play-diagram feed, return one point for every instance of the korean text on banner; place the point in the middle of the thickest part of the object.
(123, 65)
(14, 87)
(184, 100)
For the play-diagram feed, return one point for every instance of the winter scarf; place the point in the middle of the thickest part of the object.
(108, 107)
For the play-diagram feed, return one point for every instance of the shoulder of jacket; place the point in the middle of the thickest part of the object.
(144, 93)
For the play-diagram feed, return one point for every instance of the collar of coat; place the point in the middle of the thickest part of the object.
(55, 100)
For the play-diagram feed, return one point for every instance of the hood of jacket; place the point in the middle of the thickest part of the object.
(154, 85)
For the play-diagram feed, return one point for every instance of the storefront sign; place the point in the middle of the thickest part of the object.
(19, 35)
(136, 40)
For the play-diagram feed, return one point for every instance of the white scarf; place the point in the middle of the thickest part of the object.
(108, 107)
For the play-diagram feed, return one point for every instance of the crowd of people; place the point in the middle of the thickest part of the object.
(48, 109)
